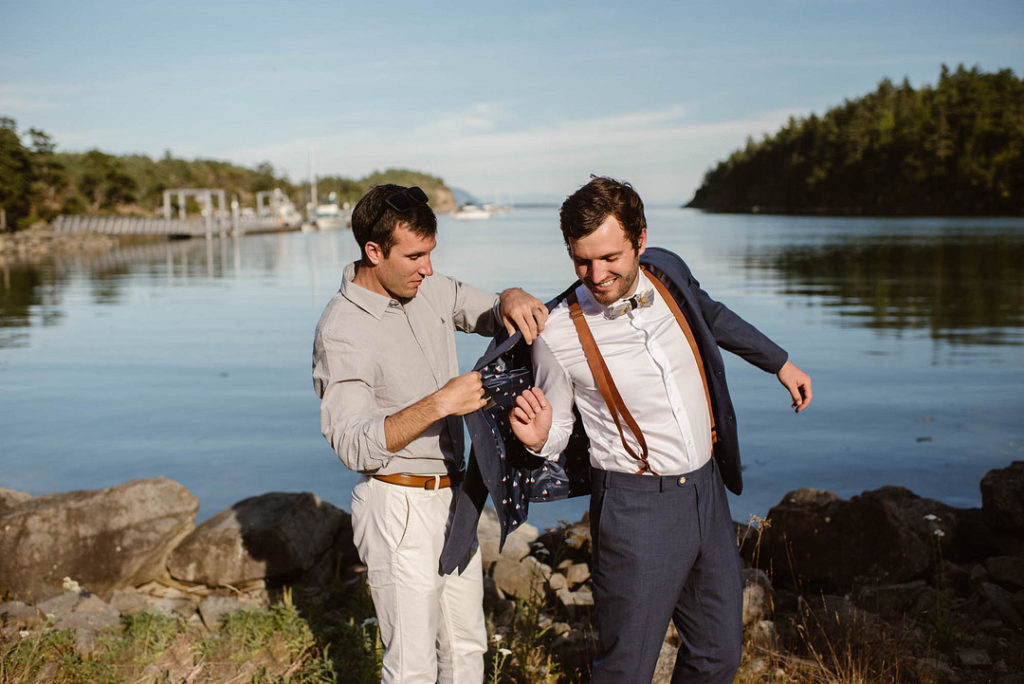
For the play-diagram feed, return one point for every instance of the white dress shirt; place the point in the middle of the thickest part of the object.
(654, 370)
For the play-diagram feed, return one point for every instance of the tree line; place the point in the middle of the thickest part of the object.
(955, 148)
(38, 183)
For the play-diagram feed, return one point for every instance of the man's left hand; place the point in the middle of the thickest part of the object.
(522, 310)
(798, 383)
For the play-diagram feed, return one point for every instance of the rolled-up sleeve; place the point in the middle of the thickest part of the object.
(343, 377)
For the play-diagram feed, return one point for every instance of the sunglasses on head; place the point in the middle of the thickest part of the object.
(401, 201)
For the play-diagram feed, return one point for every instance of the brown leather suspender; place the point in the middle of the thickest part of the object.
(606, 385)
(685, 325)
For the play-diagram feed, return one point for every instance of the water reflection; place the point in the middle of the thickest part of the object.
(964, 288)
(34, 293)
(29, 296)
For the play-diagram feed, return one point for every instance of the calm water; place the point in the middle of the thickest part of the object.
(192, 359)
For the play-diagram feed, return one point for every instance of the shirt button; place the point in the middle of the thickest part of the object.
(682, 480)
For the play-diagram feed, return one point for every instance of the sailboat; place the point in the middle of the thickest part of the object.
(330, 215)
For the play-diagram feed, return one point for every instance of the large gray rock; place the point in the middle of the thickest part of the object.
(85, 614)
(102, 538)
(1002, 498)
(885, 536)
(276, 536)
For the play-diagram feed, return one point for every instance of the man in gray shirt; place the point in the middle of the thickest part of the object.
(385, 368)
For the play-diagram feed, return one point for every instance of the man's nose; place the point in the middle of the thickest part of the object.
(425, 268)
(598, 272)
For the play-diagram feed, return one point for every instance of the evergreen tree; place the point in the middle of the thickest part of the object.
(15, 175)
(954, 148)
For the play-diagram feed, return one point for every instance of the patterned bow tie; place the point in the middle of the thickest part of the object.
(637, 301)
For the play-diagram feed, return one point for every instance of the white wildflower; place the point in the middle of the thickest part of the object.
(370, 621)
(505, 652)
(931, 517)
(496, 639)
(24, 633)
(938, 533)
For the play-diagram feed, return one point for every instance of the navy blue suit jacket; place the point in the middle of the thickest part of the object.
(501, 467)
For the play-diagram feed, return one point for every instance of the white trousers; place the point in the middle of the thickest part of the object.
(431, 625)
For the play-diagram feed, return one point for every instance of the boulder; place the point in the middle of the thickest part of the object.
(277, 536)
(518, 543)
(17, 616)
(763, 635)
(104, 538)
(930, 670)
(574, 650)
(10, 499)
(1002, 498)
(757, 600)
(892, 600)
(214, 609)
(525, 579)
(577, 573)
(580, 597)
(85, 614)
(1002, 602)
(131, 601)
(1006, 570)
(885, 536)
(570, 541)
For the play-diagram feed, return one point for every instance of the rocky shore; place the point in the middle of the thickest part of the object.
(885, 586)
(42, 241)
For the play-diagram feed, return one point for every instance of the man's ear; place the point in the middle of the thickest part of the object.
(374, 254)
(642, 242)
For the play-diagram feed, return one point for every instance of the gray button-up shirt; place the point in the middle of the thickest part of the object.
(374, 356)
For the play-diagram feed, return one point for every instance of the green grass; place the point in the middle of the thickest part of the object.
(277, 644)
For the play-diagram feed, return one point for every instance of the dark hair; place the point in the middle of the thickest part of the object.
(419, 218)
(587, 208)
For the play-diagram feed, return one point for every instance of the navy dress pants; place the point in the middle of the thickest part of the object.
(664, 548)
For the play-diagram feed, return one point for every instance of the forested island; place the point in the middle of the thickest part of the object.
(953, 149)
(38, 183)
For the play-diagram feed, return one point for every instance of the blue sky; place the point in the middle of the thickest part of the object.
(516, 100)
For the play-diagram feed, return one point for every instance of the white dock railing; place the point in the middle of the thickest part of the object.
(132, 225)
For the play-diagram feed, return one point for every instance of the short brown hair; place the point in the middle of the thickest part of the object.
(419, 218)
(587, 208)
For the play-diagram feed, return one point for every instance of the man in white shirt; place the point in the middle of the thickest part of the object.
(385, 368)
(664, 547)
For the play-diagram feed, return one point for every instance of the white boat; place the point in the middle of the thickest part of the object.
(329, 215)
(470, 212)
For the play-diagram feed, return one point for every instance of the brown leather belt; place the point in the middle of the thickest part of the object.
(421, 481)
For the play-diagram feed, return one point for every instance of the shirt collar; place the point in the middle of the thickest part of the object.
(371, 302)
(592, 307)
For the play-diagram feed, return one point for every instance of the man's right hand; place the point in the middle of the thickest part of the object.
(531, 418)
(461, 395)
